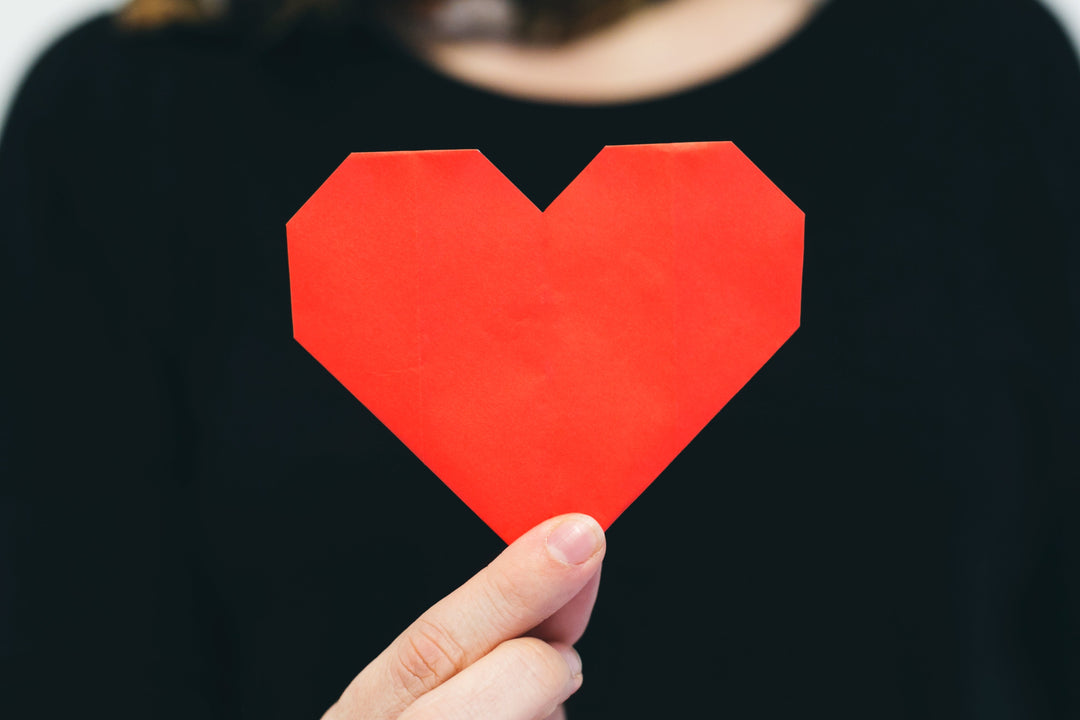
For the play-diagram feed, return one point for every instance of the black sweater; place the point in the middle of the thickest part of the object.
(199, 521)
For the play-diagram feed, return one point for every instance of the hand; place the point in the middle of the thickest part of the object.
(500, 647)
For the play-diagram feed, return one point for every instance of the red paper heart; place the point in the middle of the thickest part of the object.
(546, 362)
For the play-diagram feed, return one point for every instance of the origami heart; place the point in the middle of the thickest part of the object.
(546, 362)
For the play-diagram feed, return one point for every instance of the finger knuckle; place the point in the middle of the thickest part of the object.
(539, 664)
(509, 602)
(427, 656)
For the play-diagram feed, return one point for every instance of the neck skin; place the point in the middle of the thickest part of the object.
(655, 52)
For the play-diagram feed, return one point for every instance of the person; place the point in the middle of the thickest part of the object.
(199, 521)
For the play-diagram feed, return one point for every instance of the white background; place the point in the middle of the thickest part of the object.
(26, 26)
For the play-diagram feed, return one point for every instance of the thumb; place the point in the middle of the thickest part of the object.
(531, 580)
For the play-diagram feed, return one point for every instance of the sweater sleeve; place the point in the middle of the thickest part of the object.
(86, 423)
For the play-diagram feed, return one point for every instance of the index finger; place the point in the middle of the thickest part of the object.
(533, 578)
